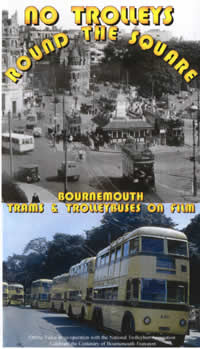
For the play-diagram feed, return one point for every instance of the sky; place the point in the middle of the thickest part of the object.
(20, 228)
(186, 13)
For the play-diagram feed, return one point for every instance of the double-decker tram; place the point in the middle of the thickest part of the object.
(5, 293)
(141, 284)
(78, 296)
(15, 294)
(57, 293)
(40, 293)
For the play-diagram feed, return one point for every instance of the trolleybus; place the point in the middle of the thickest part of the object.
(79, 294)
(40, 293)
(59, 286)
(20, 143)
(15, 294)
(139, 284)
(5, 293)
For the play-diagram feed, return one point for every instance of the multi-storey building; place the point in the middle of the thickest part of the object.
(12, 94)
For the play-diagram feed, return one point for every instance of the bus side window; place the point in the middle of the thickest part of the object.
(128, 290)
(112, 256)
(118, 253)
(126, 249)
(134, 246)
(102, 260)
(135, 284)
(107, 258)
(115, 293)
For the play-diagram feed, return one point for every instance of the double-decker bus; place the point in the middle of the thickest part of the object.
(15, 294)
(5, 293)
(40, 293)
(79, 293)
(141, 284)
(59, 286)
(20, 143)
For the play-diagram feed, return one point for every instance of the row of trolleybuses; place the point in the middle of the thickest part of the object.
(13, 294)
(137, 284)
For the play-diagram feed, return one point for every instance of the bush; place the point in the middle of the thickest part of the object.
(11, 191)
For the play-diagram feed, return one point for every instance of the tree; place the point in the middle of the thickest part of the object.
(114, 225)
(38, 245)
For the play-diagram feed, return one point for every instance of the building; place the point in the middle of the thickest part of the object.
(12, 94)
(120, 130)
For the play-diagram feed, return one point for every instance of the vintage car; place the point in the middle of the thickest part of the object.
(73, 170)
(28, 173)
(37, 132)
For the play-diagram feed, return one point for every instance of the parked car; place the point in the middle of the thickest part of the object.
(28, 173)
(37, 132)
(73, 170)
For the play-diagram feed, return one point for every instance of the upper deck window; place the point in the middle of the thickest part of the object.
(134, 246)
(46, 285)
(152, 245)
(177, 247)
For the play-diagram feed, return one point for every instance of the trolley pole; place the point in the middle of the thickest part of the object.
(194, 187)
(10, 136)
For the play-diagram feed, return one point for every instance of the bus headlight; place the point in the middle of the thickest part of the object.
(147, 320)
(182, 322)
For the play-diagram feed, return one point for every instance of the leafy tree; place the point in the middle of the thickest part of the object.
(114, 225)
(38, 245)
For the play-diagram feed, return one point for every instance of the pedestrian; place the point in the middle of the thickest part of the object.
(35, 198)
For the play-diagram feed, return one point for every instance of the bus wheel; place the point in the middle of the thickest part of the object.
(70, 314)
(128, 327)
(178, 341)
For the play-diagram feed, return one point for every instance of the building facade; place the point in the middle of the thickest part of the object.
(12, 94)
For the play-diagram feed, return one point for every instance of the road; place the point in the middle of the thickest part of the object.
(26, 327)
(101, 171)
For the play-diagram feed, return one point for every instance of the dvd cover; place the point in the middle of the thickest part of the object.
(100, 158)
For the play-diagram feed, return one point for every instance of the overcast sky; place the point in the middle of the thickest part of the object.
(186, 15)
(19, 229)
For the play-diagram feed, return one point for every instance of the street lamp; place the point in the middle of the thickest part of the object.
(10, 138)
(194, 182)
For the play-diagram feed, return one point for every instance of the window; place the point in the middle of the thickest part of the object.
(176, 292)
(166, 265)
(102, 260)
(152, 245)
(128, 290)
(135, 284)
(112, 257)
(43, 296)
(134, 246)
(153, 290)
(177, 247)
(126, 249)
(107, 258)
(118, 253)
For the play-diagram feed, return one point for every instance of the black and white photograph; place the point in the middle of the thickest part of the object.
(100, 115)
